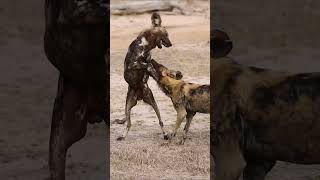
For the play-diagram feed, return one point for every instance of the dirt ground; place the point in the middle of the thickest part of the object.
(144, 154)
(28, 84)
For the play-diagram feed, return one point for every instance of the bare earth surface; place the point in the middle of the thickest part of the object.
(144, 154)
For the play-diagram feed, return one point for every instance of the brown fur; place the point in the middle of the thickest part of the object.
(262, 116)
(187, 98)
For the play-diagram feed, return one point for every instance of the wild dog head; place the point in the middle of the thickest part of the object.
(161, 71)
(221, 44)
(165, 77)
(156, 36)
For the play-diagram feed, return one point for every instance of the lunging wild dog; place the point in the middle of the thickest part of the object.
(137, 68)
(187, 98)
(262, 116)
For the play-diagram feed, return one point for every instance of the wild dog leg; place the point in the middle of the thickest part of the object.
(69, 125)
(131, 101)
(186, 127)
(229, 160)
(257, 169)
(149, 99)
(181, 114)
(57, 147)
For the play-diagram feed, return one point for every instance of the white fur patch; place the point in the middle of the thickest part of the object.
(144, 42)
(157, 21)
(141, 54)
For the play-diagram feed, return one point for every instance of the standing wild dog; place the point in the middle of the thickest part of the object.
(137, 67)
(187, 98)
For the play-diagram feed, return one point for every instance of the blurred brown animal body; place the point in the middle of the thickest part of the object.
(76, 44)
(262, 116)
(137, 69)
(187, 98)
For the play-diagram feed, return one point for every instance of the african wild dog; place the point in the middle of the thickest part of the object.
(187, 98)
(76, 43)
(262, 116)
(137, 67)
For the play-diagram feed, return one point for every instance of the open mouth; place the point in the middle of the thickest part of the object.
(167, 44)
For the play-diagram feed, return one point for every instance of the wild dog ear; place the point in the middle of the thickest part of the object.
(156, 20)
(221, 44)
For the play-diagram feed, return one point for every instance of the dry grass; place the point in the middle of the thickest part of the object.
(158, 159)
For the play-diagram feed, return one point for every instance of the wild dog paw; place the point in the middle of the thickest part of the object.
(171, 136)
(119, 121)
(166, 136)
(181, 142)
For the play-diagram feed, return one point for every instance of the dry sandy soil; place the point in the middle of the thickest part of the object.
(144, 154)
(28, 84)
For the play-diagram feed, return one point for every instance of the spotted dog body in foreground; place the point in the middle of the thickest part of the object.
(262, 116)
(187, 98)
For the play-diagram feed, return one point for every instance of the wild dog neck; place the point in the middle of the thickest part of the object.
(168, 84)
(148, 41)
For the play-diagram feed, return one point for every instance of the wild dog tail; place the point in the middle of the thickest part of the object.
(156, 19)
(221, 44)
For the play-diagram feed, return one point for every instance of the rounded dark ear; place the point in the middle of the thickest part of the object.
(179, 75)
(156, 19)
(221, 44)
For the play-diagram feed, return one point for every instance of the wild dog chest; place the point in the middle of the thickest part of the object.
(137, 56)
